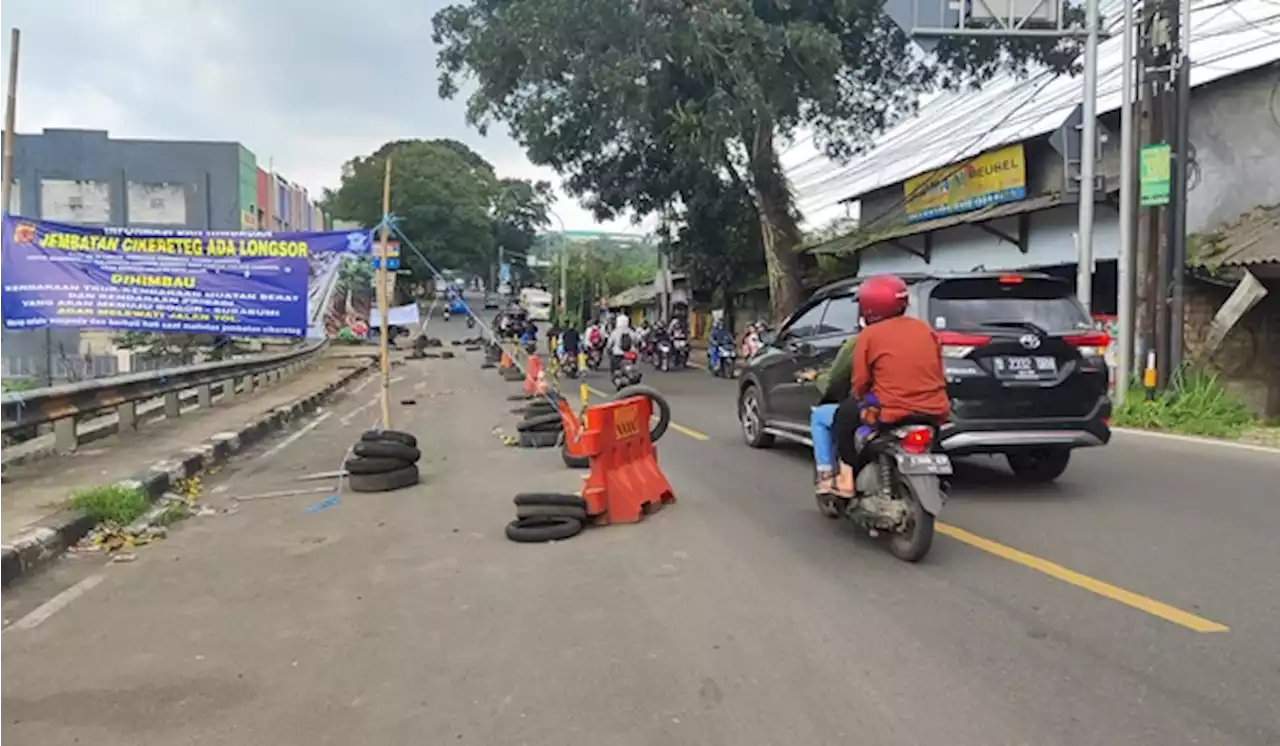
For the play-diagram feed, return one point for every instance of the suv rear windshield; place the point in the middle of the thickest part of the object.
(976, 303)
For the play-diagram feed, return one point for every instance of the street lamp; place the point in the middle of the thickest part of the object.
(564, 263)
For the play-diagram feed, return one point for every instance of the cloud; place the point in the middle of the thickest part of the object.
(305, 85)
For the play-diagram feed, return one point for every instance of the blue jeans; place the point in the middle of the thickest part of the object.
(822, 420)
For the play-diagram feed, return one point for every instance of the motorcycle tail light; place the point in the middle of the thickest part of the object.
(918, 440)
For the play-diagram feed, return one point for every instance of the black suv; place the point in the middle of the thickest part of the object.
(1024, 366)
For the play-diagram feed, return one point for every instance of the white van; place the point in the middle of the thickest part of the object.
(536, 303)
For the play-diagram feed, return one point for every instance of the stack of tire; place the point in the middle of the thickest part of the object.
(540, 425)
(383, 460)
(547, 516)
(512, 374)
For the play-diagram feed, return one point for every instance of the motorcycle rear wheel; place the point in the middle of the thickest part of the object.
(914, 543)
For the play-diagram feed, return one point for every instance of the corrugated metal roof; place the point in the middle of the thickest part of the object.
(1227, 38)
(857, 241)
(1253, 238)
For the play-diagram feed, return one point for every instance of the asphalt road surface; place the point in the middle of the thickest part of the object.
(1137, 601)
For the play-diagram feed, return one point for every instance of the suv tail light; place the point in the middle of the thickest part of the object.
(918, 440)
(1091, 344)
(957, 345)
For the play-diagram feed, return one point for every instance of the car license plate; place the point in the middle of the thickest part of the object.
(925, 463)
(1028, 368)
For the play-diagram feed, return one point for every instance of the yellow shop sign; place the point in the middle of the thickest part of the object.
(991, 178)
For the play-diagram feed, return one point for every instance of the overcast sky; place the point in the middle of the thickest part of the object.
(304, 84)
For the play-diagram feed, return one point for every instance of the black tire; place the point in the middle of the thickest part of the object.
(542, 529)
(540, 422)
(517, 397)
(549, 498)
(573, 462)
(447, 355)
(376, 465)
(750, 405)
(551, 511)
(390, 436)
(512, 374)
(540, 407)
(487, 365)
(387, 449)
(659, 403)
(913, 546)
(455, 342)
(1039, 466)
(540, 438)
(472, 348)
(386, 481)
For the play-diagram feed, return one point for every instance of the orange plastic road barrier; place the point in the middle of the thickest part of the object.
(531, 375)
(505, 362)
(625, 481)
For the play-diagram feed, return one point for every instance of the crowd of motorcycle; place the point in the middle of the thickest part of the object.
(615, 342)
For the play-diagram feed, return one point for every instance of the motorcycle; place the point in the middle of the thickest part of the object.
(595, 356)
(569, 365)
(471, 321)
(724, 363)
(662, 354)
(446, 314)
(628, 372)
(680, 353)
(899, 487)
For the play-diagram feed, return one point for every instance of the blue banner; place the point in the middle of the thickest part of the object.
(169, 281)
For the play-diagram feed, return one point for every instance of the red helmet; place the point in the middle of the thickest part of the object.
(882, 297)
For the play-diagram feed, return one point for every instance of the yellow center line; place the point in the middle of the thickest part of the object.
(1115, 593)
(687, 431)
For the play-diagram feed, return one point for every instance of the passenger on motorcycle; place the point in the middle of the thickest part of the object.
(569, 343)
(897, 363)
(622, 340)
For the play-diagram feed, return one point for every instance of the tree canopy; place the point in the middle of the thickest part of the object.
(627, 100)
(449, 202)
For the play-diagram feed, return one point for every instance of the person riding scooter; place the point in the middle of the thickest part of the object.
(897, 365)
(623, 339)
(720, 337)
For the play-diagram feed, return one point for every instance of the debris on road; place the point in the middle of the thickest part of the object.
(124, 557)
(283, 493)
(322, 505)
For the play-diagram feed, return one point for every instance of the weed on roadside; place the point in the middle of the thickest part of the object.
(171, 514)
(113, 503)
(1195, 403)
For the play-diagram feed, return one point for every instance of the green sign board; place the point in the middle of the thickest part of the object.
(1153, 175)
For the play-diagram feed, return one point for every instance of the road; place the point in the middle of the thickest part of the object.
(1057, 615)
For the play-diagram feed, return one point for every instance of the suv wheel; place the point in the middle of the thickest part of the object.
(1039, 466)
(751, 416)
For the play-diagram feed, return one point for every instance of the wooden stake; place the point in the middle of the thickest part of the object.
(10, 119)
(383, 300)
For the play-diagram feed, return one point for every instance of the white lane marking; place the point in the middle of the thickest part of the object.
(363, 385)
(56, 604)
(278, 447)
(349, 416)
(1198, 441)
(397, 379)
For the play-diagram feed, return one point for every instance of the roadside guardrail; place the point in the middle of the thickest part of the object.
(141, 397)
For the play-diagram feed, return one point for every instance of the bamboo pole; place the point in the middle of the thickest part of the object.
(383, 300)
(10, 120)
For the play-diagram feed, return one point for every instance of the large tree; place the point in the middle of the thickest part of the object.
(608, 92)
(441, 195)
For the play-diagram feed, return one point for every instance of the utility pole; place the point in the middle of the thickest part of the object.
(1088, 158)
(1126, 265)
(1181, 169)
(10, 119)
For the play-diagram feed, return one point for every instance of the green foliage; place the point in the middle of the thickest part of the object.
(596, 268)
(113, 503)
(356, 276)
(1195, 403)
(626, 100)
(15, 385)
(178, 349)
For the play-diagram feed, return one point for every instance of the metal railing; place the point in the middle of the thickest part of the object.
(129, 395)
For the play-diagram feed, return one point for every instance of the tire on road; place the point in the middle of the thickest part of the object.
(551, 511)
(373, 465)
(487, 365)
(386, 481)
(447, 355)
(571, 461)
(387, 449)
(540, 438)
(1039, 466)
(660, 406)
(549, 498)
(390, 436)
(517, 397)
(542, 529)
(540, 423)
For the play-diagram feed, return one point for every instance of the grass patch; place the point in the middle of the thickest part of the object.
(172, 513)
(112, 503)
(1195, 403)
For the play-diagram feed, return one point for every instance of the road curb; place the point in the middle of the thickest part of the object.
(1198, 440)
(49, 537)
